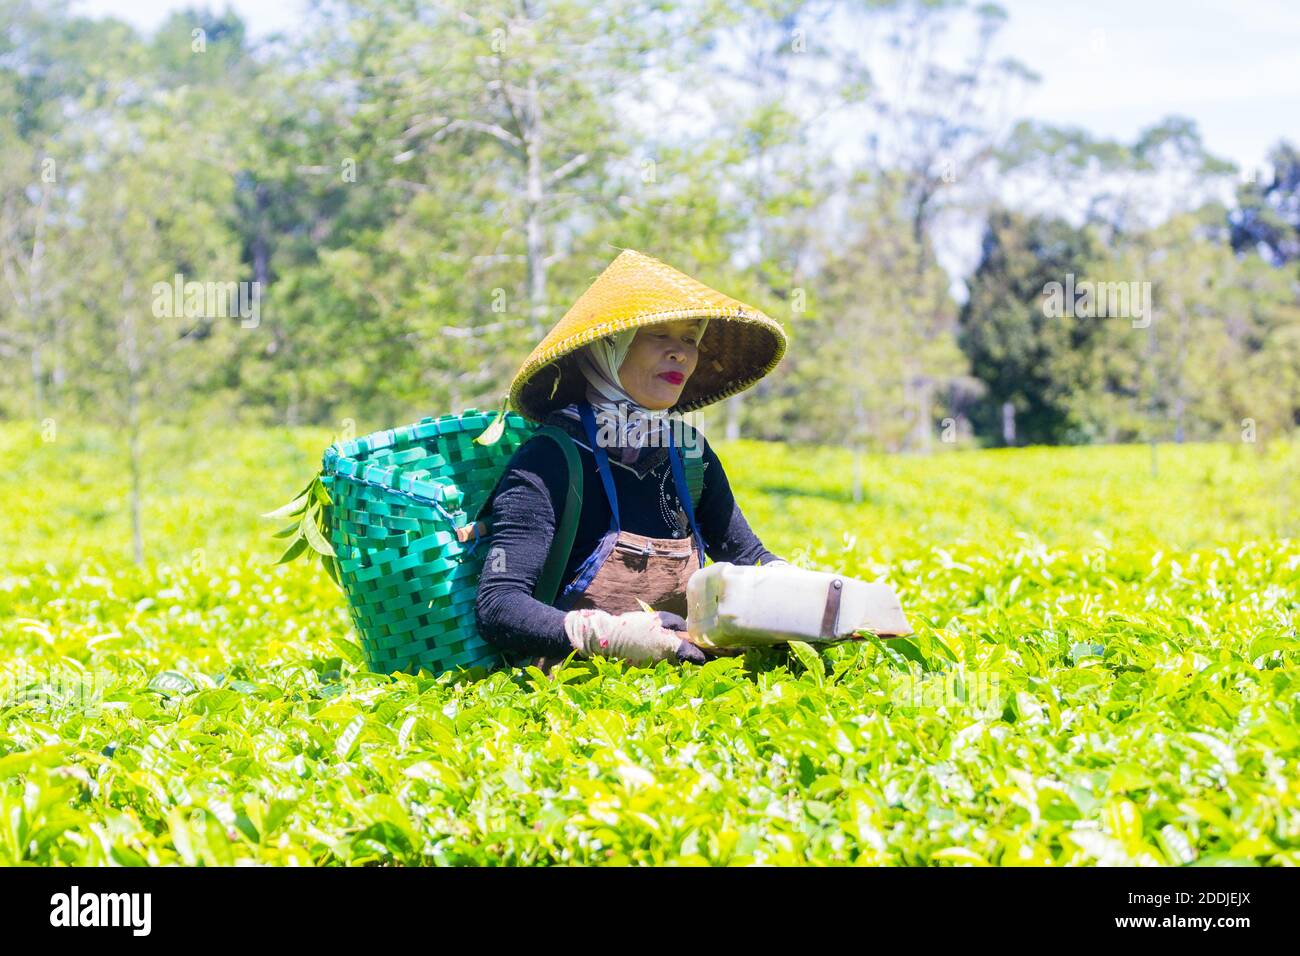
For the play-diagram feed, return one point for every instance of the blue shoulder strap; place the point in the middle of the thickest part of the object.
(602, 463)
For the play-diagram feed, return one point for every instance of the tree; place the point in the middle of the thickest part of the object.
(1267, 217)
(488, 135)
(44, 67)
(871, 335)
(1219, 357)
(151, 208)
(780, 73)
(1021, 354)
(937, 133)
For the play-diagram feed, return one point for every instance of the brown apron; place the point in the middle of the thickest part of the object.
(627, 566)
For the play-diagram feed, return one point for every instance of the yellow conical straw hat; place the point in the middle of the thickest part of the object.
(740, 345)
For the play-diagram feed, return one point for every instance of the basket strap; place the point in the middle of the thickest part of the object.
(684, 494)
(695, 477)
(548, 583)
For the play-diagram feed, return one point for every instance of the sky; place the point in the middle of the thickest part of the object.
(1112, 67)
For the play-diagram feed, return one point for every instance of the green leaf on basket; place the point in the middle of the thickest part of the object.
(311, 530)
(493, 432)
(292, 508)
(287, 530)
(299, 545)
(332, 568)
(321, 492)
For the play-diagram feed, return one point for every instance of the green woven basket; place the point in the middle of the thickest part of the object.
(397, 498)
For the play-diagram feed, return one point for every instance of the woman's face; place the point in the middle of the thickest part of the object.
(659, 362)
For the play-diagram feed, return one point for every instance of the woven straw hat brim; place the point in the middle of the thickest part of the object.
(739, 347)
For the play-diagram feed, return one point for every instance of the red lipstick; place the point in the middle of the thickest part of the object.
(675, 378)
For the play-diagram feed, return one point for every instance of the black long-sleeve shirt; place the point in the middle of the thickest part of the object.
(523, 511)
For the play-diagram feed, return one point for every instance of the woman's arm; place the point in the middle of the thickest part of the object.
(523, 512)
(727, 535)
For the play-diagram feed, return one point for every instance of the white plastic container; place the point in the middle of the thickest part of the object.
(732, 605)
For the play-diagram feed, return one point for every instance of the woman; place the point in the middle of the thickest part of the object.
(643, 342)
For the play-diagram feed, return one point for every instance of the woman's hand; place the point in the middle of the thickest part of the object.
(639, 637)
(686, 651)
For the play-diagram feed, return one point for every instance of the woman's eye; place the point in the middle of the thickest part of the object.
(664, 335)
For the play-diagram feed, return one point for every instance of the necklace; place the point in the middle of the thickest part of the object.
(670, 507)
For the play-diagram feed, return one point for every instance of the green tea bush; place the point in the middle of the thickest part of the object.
(1104, 671)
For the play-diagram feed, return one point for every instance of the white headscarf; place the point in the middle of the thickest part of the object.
(599, 363)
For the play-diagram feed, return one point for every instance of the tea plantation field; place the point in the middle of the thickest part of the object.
(1106, 671)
